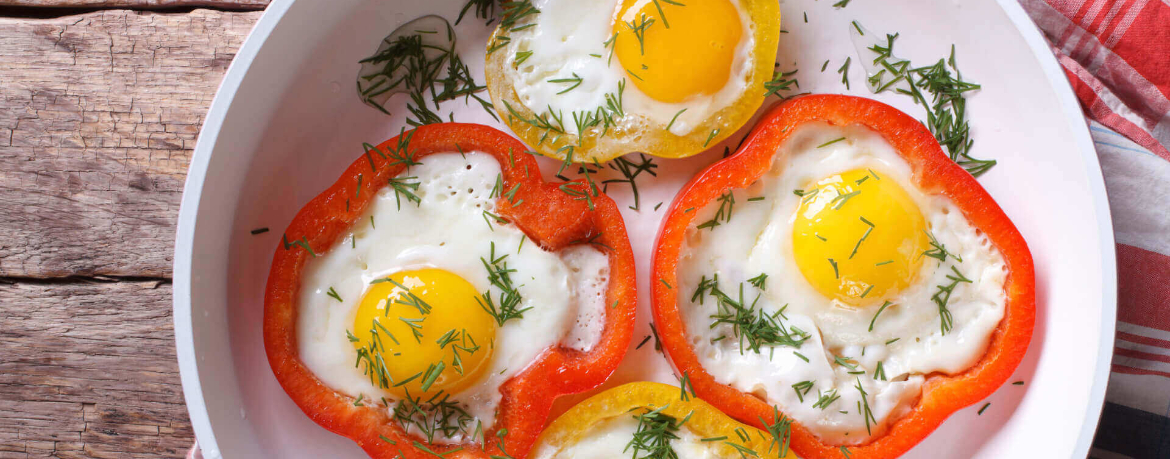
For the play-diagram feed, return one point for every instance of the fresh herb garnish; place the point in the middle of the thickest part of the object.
(654, 435)
(943, 295)
(438, 415)
(868, 230)
(802, 389)
(826, 399)
(780, 82)
(844, 71)
(403, 186)
(499, 276)
(751, 325)
(865, 411)
(630, 171)
(638, 26)
(408, 65)
(726, 205)
(572, 82)
(780, 430)
(830, 143)
(938, 251)
(758, 281)
(514, 11)
(946, 109)
(684, 384)
(879, 311)
(714, 132)
(302, 243)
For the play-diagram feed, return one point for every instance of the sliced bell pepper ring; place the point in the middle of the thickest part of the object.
(548, 216)
(933, 173)
(702, 419)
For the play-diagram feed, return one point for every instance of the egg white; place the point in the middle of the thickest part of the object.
(608, 439)
(758, 239)
(566, 40)
(447, 230)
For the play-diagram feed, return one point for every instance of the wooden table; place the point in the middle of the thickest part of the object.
(100, 105)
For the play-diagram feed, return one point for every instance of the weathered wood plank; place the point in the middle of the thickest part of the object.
(98, 116)
(88, 370)
(140, 4)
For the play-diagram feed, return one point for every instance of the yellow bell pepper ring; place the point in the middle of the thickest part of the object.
(666, 415)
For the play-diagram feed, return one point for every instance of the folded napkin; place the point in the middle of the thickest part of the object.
(1116, 54)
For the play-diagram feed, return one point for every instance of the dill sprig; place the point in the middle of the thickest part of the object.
(303, 243)
(759, 281)
(938, 251)
(753, 327)
(438, 415)
(638, 26)
(370, 357)
(780, 430)
(946, 107)
(572, 82)
(630, 171)
(844, 71)
(726, 205)
(581, 192)
(484, 9)
(943, 295)
(826, 399)
(865, 411)
(514, 12)
(868, 229)
(397, 154)
(403, 186)
(662, 14)
(411, 66)
(846, 362)
(553, 126)
(780, 82)
(684, 383)
(879, 312)
(802, 388)
(499, 275)
(654, 435)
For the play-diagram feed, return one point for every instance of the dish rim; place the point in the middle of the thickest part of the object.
(261, 31)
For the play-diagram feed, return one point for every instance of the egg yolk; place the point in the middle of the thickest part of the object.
(858, 237)
(426, 330)
(673, 52)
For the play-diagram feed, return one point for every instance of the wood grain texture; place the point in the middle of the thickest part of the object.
(140, 4)
(87, 369)
(98, 116)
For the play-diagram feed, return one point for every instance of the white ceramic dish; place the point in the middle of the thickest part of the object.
(286, 122)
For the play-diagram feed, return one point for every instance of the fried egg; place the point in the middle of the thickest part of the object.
(599, 80)
(863, 283)
(399, 312)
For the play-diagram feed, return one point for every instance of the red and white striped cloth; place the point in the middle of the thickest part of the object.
(1116, 54)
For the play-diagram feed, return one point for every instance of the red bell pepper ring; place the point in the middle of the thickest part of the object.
(549, 217)
(934, 173)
